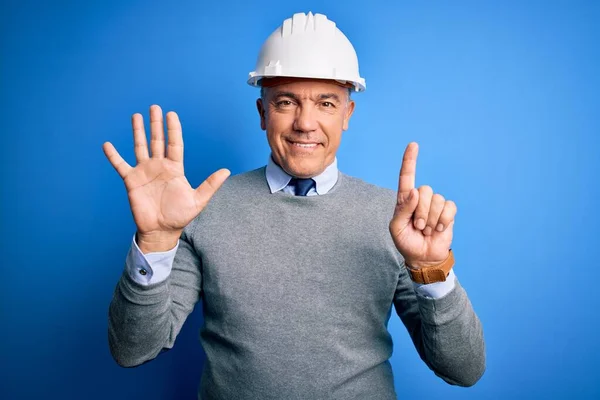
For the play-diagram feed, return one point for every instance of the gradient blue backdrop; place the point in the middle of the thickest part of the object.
(502, 97)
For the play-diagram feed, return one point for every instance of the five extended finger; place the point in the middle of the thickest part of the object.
(157, 133)
(140, 143)
(208, 188)
(116, 160)
(175, 137)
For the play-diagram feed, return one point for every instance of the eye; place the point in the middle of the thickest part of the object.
(327, 104)
(283, 103)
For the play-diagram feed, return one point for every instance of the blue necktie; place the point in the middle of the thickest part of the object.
(302, 186)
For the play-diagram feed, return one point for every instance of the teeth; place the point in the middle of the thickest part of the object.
(306, 146)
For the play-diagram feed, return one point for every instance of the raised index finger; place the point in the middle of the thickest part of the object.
(406, 182)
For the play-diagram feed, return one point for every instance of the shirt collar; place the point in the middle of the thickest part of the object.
(278, 179)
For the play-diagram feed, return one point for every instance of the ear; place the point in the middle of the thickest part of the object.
(349, 111)
(262, 113)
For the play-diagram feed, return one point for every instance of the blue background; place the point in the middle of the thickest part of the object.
(501, 96)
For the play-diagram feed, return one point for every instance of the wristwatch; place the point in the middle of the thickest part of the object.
(435, 273)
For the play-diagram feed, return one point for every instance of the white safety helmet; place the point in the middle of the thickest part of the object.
(308, 46)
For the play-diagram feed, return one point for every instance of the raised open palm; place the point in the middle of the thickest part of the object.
(162, 200)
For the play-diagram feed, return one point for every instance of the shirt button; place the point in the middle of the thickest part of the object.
(143, 272)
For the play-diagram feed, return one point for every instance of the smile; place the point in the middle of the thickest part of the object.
(305, 145)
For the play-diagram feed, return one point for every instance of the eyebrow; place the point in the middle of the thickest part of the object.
(323, 96)
(333, 96)
(285, 94)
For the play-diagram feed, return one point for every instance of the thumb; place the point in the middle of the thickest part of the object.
(209, 187)
(406, 206)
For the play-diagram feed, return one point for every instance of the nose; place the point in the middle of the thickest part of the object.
(305, 120)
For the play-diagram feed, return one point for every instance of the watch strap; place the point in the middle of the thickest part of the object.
(434, 273)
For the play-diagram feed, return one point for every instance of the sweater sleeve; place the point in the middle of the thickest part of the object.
(446, 331)
(144, 320)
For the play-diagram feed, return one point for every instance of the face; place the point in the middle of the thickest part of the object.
(304, 120)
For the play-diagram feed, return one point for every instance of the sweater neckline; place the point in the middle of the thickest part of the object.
(282, 194)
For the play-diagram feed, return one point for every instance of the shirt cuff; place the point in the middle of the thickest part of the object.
(436, 290)
(150, 268)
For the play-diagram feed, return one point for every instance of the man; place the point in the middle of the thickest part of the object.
(297, 264)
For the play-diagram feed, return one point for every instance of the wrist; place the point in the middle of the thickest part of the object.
(426, 273)
(157, 241)
(419, 264)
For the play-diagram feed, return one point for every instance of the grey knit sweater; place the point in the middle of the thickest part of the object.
(297, 292)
